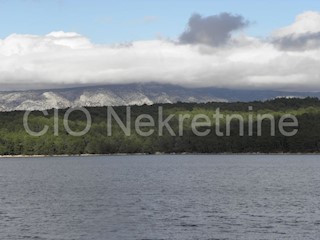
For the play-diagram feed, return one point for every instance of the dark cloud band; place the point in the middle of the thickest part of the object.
(299, 42)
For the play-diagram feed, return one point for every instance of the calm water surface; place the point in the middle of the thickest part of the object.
(160, 197)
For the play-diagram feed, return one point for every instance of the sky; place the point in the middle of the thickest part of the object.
(230, 44)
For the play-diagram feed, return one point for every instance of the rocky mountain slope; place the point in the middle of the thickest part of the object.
(130, 94)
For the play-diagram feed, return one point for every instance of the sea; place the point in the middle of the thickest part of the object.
(157, 197)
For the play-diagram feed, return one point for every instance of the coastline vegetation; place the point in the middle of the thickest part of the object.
(14, 140)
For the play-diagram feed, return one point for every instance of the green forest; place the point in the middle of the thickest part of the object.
(14, 140)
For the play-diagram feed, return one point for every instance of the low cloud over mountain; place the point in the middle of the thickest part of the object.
(212, 52)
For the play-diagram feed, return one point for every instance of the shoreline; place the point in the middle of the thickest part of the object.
(152, 154)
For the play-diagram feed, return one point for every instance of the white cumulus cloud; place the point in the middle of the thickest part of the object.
(307, 22)
(61, 59)
(303, 34)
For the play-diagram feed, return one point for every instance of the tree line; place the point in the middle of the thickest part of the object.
(14, 140)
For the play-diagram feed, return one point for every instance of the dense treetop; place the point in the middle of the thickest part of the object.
(14, 140)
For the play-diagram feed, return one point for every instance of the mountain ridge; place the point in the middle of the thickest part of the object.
(131, 94)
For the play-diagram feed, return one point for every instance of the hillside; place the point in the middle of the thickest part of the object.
(131, 94)
(14, 140)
